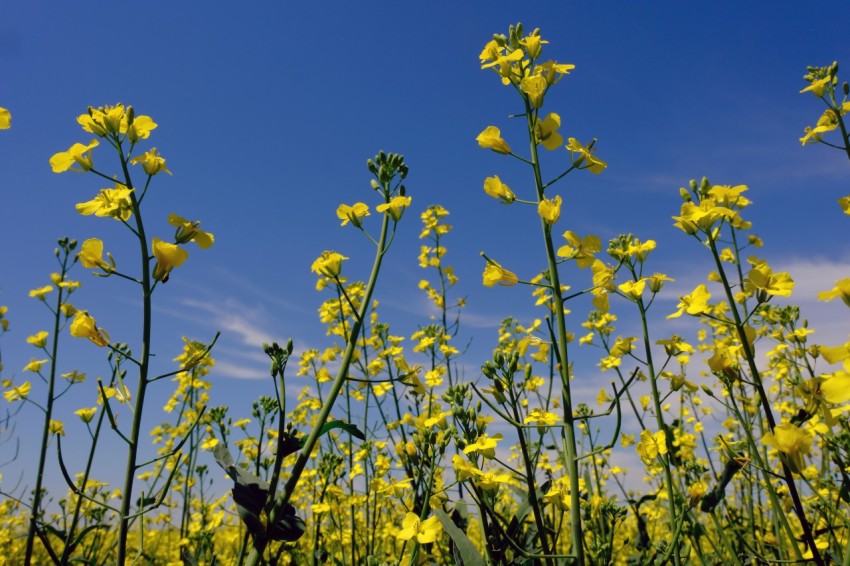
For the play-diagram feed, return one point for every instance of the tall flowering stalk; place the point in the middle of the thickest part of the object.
(389, 171)
(517, 60)
(119, 127)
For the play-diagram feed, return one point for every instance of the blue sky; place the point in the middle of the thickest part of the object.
(268, 111)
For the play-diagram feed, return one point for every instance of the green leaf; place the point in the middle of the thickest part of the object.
(468, 553)
(329, 426)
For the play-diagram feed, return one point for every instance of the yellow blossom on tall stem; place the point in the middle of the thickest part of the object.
(792, 442)
(188, 231)
(21, 391)
(91, 255)
(41, 292)
(84, 326)
(78, 154)
(152, 162)
(550, 209)
(651, 445)
(354, 213)
(496, 274)
(840, 291)
(168, 256)
(494, 187)
(5, 119)
(329, 264)
(424, 531)
(491, 138)
(395, 208)
(115, 203)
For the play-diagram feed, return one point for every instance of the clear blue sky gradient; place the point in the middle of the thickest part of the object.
(267, 112)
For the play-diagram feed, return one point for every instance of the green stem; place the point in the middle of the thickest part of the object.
(301, 463)
(48, 414)
(571, 463)
(135, 431)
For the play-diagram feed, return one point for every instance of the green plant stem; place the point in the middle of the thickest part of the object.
(659, 417)
(35, 512)
(571, 463)
(283, 498)
(765, 402)
(135, 431)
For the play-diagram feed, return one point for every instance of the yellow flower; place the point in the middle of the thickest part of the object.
(19, 392)
(694, 304)
(580, 249)
(541, 417)
(84, 326)
(425, 531)
(535, 88)
(533, 46)
(792, 442)
(546, 132)
(489, 481)
(78, 154)
(86, 415)
(190, 232)
(494, 187)
(761, 278)
(484, 445)
(495, 273)
(39, 340)
(56, 427)
(114, 203)
(491, 138)
(841, 290)
(844, 203)
(152, 162)
(168, 256)
(550, 210)
(41, 292)
(585, 156)
(5, 119)
(329, 264)
(91, 255)
(633, 289)
(651, 445)
(354, 213)
(395, 208)
(819, 86)
(114, 120)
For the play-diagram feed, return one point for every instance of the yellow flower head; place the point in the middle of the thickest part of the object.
(550, 210)
(494, 187)
(583, 156)
(115, 203)
(354, 213)
(34, 365)
(78, 154)
(792, 442)
(19, 392)
(580, 249)
(329, 264)
(534, 87)
(39, 340)
(491, 138)
(168, 256)
(91, 255)
(86, 415)
(841, 290)
(496, 274)
(41, 292)
(651, 445)
(84, 326)
(694, 304)
(190, 232)
(5, 119)
(395, 208)
(152, 162)
(546, 131)
(425, 531)
(484, 445)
